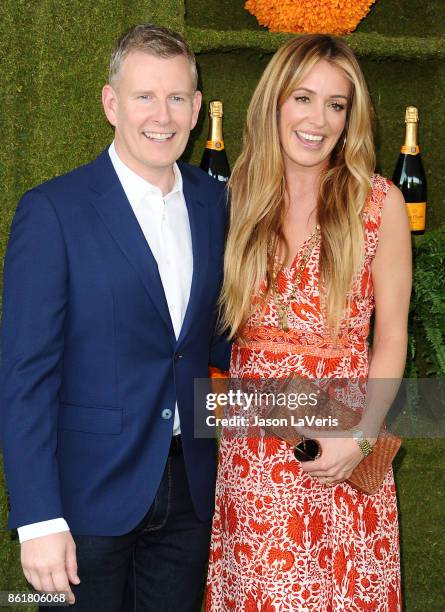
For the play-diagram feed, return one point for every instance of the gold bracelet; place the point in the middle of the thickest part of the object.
(363, 443)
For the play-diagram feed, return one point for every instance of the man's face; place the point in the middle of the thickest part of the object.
(153, 106)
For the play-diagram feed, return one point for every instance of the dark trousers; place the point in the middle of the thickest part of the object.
(157, 567)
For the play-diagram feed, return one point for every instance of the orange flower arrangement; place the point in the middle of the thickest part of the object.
(323, 16)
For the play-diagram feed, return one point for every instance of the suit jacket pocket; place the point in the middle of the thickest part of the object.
(90, 419)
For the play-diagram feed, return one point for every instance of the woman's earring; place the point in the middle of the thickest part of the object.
(344, 143)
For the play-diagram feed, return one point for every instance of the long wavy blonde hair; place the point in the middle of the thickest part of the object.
(258, 185)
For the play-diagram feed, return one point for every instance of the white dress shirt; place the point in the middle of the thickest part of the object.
(165, 224)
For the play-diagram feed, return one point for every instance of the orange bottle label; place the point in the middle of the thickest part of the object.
(216, 145)
(416, 214)
(410, 150)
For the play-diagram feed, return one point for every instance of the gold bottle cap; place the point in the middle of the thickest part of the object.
(411, 114)
(216, 108)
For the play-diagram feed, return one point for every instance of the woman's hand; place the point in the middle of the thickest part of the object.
(339, 457)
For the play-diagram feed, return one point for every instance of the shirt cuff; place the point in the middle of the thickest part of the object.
(36, 530)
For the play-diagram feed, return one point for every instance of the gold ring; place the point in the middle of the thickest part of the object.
(329, 483)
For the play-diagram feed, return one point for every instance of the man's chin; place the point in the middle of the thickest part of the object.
(159, 165)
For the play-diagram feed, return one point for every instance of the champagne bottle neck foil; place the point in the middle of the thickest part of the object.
(216, 130)
(411, 146)
(411, 114)
(216, 108)
(215, 139)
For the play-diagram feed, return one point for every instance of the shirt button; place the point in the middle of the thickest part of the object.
(177, 357)
(166, 413)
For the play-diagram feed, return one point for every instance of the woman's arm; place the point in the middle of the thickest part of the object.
(391, 277)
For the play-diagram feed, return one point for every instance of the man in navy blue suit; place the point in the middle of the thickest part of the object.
(112, 276)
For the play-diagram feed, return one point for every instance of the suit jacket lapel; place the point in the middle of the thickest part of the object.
(198, 219)
(113, 207)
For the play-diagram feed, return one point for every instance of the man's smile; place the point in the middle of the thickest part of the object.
(161, 136)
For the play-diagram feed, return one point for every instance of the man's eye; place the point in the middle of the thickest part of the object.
(144, 97)
(177, 99)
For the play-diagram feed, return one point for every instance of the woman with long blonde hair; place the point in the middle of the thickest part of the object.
(317, 243)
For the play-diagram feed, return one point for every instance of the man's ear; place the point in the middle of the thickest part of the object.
(196, 105)
(109, 102)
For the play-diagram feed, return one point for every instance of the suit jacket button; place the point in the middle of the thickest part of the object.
(178, 356)
(166, 413)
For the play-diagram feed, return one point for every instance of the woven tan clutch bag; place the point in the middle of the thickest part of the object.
(371, 471)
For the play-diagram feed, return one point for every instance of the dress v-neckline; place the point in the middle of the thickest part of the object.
(299, 250)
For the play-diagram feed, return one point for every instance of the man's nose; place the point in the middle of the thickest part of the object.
(162, 112)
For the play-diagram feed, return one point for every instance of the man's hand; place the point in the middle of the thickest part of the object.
(49, 563)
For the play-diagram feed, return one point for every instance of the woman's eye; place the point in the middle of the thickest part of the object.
(301, 99)
(337, 106)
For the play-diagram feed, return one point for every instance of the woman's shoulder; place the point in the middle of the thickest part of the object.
(385, 192)
(380, 183)
(384, 200)
(372, 211)
(382, 188)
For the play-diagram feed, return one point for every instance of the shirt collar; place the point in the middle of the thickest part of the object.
(135, 187)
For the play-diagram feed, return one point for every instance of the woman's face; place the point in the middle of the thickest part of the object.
(313, 117)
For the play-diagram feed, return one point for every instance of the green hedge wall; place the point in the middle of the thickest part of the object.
(53, 62)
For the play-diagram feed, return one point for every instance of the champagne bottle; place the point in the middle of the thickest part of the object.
(214, 159)
(409, 175)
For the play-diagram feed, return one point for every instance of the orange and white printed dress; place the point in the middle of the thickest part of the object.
(282, 541)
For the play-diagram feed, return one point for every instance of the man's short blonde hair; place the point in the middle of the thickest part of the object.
(153, 40)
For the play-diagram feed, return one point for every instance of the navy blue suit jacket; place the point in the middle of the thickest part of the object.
(90, 362)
